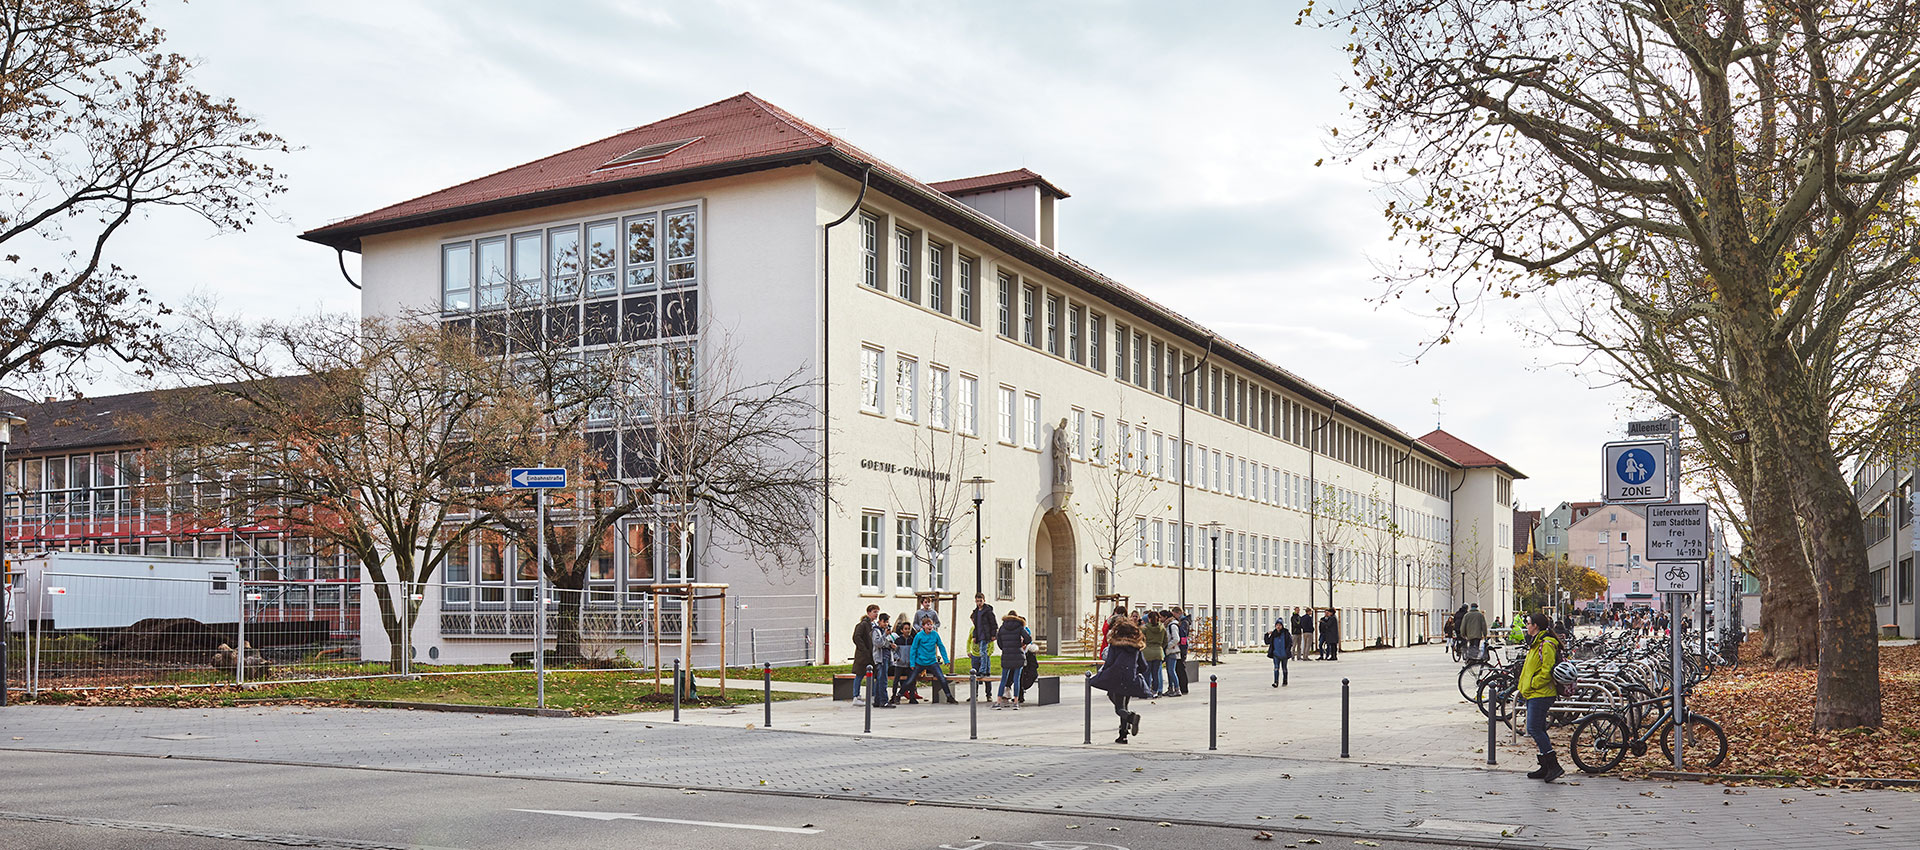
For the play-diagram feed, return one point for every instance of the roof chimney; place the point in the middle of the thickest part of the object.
(1019, 199)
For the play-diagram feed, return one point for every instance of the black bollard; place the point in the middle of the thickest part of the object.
(1492, 757)
(1345, 698)
(1087, 734)
(676, 690)
(1213, 712)
(973, 708)
(766, 685)
(870, 685)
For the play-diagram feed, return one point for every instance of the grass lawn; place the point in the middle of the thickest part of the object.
(604, 692)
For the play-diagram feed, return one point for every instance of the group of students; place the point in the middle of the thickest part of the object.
(892, 656)
(1164, 637)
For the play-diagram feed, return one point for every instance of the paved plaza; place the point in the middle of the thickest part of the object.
(1407, 780)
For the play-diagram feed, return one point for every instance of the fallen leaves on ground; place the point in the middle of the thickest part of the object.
(1768, 717)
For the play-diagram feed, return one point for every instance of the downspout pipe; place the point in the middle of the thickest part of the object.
(341, 255)
(826, 431)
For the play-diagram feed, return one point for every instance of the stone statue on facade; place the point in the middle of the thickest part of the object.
(1062, 459)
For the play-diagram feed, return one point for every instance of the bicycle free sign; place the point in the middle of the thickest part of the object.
(1677, 532)
(1678, 576)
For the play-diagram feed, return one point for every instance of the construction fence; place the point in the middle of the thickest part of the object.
(75, 631)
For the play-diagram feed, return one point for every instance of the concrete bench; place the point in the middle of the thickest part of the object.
(1045, 690)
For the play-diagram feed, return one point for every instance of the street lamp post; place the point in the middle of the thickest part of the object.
(979, 486)
(1180, 459)
(1213, 531)
(7, 421)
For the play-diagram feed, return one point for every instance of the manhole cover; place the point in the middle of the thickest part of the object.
(1469, 826)
(182, 736)
(1167, 756)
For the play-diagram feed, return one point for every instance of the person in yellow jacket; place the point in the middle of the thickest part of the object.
(1539, 690)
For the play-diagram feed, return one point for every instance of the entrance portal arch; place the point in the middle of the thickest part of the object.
(1057, 606)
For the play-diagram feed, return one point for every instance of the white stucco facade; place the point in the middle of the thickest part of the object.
(854, 308)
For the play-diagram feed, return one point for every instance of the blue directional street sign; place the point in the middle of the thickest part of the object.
(536, 478)
(1636, 471)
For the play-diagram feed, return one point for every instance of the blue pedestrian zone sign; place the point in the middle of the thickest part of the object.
(521, 478)
(1636, 466)
(1636, 471)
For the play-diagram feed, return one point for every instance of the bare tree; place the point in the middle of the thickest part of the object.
(1116, 497)
(103, 128)
(387, 438)
(1339, 517)
(1741, 174)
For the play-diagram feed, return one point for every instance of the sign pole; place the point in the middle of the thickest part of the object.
(540, 600)
(1679, 701)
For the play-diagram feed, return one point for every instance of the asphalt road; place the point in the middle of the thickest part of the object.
(61, 801)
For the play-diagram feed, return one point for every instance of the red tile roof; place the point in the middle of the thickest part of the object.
(993, 182)
(744, 133)
(740, 130)
(1464, 453)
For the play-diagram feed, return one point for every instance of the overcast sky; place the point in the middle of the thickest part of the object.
(1188, 144)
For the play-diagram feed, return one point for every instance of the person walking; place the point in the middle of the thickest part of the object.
(863, 653)
(1011, 637)
(928, 654)
(882, 637)
(1123, 675)
(986, 631)
(1473, 631)
(1279, 648)
(1155, 652)
(1539, 690)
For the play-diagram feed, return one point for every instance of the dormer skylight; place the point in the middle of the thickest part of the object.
(649, 153)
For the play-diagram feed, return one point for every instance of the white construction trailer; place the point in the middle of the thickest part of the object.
(68, 591)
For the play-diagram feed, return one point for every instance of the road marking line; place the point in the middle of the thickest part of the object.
(624, 816)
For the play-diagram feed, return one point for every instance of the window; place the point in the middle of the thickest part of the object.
(456, 277)
(1003, 579)
(1159, 455)
(1029, 314)
(937, 397)
(1636, 585)
(1553, 540)
(870, 251)
(905, 543)
(937, 554)
(967, 303)
(1120, 336)
(1139, 359)
(1905, 580)
(1153, 364)
(1623, 537)
(563, 261)
(1007, 402)
(906, 389)
(493, 271)
(1603, 538)
(1140, 552)
(966, 406)
(1159, 546)
(903, 281)
(937, 277)
(1882, 588)
(1006, 305)
(641, 274)
(1032, 430)
(1053, 325)
(1077, 436)
(1075, 317)
(1099, 438)
(870, 551)
(1096, 333)
(870, 379)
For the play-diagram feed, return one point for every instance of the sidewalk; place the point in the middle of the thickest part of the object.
(1405, 709)
(1349, 798)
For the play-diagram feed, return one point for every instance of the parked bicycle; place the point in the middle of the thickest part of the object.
(1603, 739)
